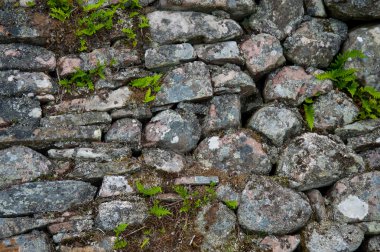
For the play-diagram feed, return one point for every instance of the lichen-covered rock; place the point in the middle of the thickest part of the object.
(34, 241)
(113, 213)
(26, 58)
(315, 42)
(239, 152)
(268, 207)
(286, 243)
(169, 55)
(331, 236)
(315, 8)
(82, 119)
(219, 53)
(176, 131)
(277, 18)
(169, 27)
(127, 131)
(277, 123)
(237, 9)
(354, 9)
(367, 40)
(16, 83)
(224, 113)
(217, 225)
(22, 164)
(164, 160)
(356, 199)
(141, 112)
(48, 196)
(373, 244)
(333, 110)
(73, 228)
(365, 141)
(188, 82)
(357, 128)
(114, 186)
(262, 53)
(312, 161)
(230, 79)
(292, 85)
(371, 158)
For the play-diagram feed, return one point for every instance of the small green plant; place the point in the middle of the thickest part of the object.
(231, 204)
(148, 191)
(83, 79)
(151, 84)
(159, 211)
(145, 242)
(60, 9)
(309, 112)
(31, 3)
(120, 243)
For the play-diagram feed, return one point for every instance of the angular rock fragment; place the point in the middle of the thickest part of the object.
(315, 42)
(140, 112)
(169, 55)
(276, 18)
(353, 10)
(26, 57)
(169, 27)
(371, 158)
(22, 164)
(82, 119)
(292, 85)
(114, 186)
(196, 180)
(189, 82)
(176, 131)
(73, 228)
(164, 160)
(286, 243)
(262, 54)
(313, 161)
(356, 199)
(365, 141)
(126, 131)
(367, 40)
(357, 128)
(315, 8)
(219, 53)
(48, 196)
(34, 241)
(266, 206)
(240, 152)
(279, 124)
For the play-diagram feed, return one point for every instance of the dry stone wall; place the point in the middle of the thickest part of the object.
(234, 76)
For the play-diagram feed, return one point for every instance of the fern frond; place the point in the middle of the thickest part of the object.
(309, 115)
(341, 59)
(372, 91)
(148, 191)
(159, 211)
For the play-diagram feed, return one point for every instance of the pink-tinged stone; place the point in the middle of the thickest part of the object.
(68, 64)
(287, 243)
(263, 53)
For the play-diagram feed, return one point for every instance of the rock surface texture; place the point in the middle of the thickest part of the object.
(189, 125)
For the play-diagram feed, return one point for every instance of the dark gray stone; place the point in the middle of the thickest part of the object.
(357, 128)
(366, 141)
(126, 131)
(35, 241)
(312, 161)
(315, 8)
(219, 53)
(86, 118)
(48, 196)
(354, 9)
(268, 207)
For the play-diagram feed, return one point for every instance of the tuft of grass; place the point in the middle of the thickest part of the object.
(231, 204)
(148, 191)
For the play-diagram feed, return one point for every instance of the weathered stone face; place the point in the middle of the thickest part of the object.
(164, 160)
(37, 241)
(354, 9)
(219, 53)
(127, 131)
(169, 55)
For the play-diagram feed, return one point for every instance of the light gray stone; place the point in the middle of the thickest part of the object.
(114, 186)
(286, 243)
(357, 128)
(82, 119)
(126, 131)
(219, 53)
(164, 160)
(169, 55)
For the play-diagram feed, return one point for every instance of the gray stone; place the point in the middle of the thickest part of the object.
(277, 123)
(34, 241)
(95, 171)
(226, 193)
(21, 164)
(371, 227)
(16, 83)
(216, 223)
(224, 113)
(268, 207)
(356, 199)
(122, 57)
(315, 42)
(188, 82)
(237, 9)
(104, 245)
(286, 243)
(48, 196)
(127, 131)
(196, 180)
(366, 141)
(277, 18)
(139, 112)
(198, 109)
(176, 131)
(169, 27)
(219, 53)
(373, 244)
(86, 118)
(114, 186)
(315, 8)
(313, 161)
(357, 128)
(169, 55)
(367, 40)
(371, 158)
(164, 160)
(240, 152)
(102, 101)
(332, 110)
(262, 54)
(113, 213)
(230, 79)
(14, 226)
(26, 58)
(73, 228)
(329, 236)
(317, 203)
(354, 9)
(292, 85)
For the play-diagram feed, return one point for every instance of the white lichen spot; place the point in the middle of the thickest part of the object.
(174, 140)
(353, 207)
(360, 39)
(36, 113)
(11, 77)
(377, 140)
(213, 143)
(98, 134)
(44, 83)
